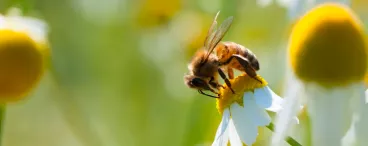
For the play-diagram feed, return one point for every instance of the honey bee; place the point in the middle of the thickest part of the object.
(205, 65)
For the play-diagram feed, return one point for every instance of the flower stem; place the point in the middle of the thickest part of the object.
(288, 139)
(2, 121)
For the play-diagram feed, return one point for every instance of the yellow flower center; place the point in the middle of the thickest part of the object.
(240, 84)
(327, 46)
(21, 65)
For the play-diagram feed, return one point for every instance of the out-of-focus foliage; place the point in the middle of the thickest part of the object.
(117, 69)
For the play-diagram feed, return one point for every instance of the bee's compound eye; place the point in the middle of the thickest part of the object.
(197, 82)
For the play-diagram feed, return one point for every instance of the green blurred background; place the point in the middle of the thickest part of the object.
(117, 66)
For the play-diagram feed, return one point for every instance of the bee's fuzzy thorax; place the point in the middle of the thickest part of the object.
(203, 69)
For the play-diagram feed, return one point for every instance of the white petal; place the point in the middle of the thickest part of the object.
(224, 123)
(259, 115)
(360, 126)
(330, 113)
(244, 124)
(233, 135)
(296, 120)
(35, 28)
(366, 96)
(222, 134)
(267, 99)
(350, 137)
(2, 21)
(291, 106)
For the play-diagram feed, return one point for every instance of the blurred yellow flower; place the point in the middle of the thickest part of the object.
(328, 60)
(196, 42)
(155, 12)
(23, 47)
(244, 111)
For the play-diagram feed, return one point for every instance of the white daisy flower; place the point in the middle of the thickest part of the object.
(23, 52)
(244, 111)
(327, 62)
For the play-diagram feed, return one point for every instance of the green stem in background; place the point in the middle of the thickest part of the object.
(2, 121)
(288, 139)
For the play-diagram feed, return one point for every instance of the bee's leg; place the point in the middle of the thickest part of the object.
(201, 92)
(246, 64)
(215, 84)
(207, 87)
(223, 76)
(230, 73)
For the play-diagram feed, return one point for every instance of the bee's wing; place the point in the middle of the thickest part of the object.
(218, 35)
(211, 32)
